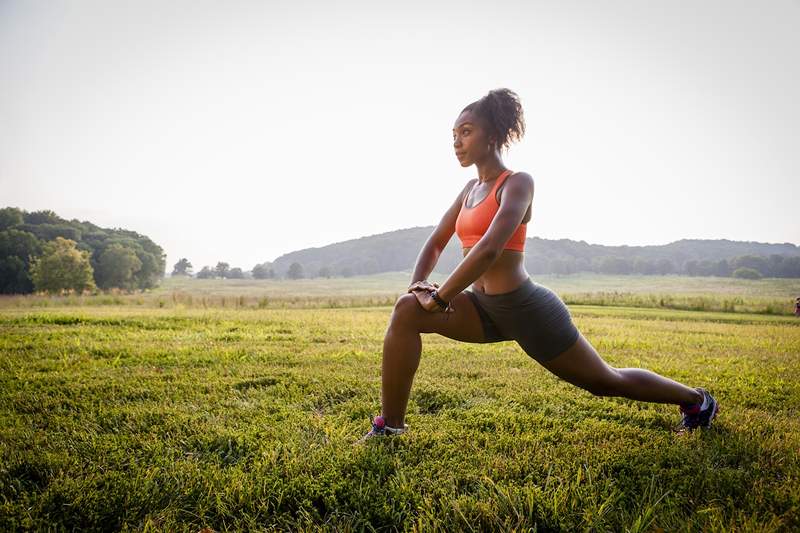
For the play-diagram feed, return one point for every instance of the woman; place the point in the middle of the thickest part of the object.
(490, 216)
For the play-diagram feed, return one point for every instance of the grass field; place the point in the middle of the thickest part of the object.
(133, 417)
(772, 296)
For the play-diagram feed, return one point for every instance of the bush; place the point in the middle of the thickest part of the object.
(747, 273)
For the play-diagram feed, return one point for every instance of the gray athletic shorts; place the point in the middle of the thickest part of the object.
(532, 315)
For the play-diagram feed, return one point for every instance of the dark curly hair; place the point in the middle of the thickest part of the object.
(501, 113)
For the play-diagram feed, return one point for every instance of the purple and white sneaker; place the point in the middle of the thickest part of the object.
(380, 429)
(694, 416)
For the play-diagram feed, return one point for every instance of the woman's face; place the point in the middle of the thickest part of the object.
(470, 141)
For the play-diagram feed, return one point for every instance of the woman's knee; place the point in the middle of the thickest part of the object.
(406, 309)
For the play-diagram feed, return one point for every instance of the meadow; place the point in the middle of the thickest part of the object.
(774, 296)
(182, 415)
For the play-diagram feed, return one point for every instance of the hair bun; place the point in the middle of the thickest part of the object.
(502, 112)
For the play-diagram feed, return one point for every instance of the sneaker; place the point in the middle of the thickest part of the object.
(380, 429)
(693, 417)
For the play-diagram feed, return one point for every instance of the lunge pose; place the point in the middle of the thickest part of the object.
(490, 217)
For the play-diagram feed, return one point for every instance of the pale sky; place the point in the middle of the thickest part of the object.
(238, 131)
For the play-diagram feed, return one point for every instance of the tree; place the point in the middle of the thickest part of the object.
(45, 216)
(616, 265)
(17, 249)
(325, 272)
(14, 276)
(182, 268)
(262, 271)
(664, 266)
(222, 269)
(347, 272)
(644, 266)
(236, 273)
(755, 262)
(10, 217)
(116, 267)
(295, 271)
(722, 268)
(62, 267)
(206, 273)
(746, 273)
(152, 269)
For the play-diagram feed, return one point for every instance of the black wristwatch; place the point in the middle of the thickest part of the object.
(441, 303)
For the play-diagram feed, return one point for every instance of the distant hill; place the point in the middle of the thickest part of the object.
(398, 250)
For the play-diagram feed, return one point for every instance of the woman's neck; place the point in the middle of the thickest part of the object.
(490, 169)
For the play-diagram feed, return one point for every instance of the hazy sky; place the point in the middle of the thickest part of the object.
(239, 131)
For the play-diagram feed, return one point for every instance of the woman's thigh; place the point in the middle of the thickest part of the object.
(463, 324)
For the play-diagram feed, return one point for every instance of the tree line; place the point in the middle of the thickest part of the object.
(397, 251)
(745, 266)
(40, 251)
(223, 270)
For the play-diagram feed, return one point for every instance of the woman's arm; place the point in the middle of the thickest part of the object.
(432, 249)
(516, 198)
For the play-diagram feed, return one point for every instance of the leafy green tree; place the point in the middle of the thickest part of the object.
(17, 249)
(46, 225)
(295, 271)
(222, 269)
(10, 217)
(182, 268)
(19, 243)
(236, 273)
(116, 268)
(45, 216)
(747, 273)
(48, 232)
(14, 276)
(62, 267)
(151, 272)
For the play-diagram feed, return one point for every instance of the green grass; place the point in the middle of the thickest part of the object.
(770, 296)
(175, 419)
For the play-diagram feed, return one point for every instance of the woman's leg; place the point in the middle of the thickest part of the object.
(582, 366)
(402, 346)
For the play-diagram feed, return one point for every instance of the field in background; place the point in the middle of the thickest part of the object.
(128, 417)
(768, 296)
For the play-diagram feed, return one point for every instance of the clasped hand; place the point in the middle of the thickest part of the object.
(422, 290)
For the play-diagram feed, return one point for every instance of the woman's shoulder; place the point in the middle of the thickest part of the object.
(520, 179)
(518, 176)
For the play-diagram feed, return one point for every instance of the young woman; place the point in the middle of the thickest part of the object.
(490, 216)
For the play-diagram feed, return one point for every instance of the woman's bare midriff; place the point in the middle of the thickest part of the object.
(506, 273)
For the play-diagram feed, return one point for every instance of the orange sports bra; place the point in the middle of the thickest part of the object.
(472, 222)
